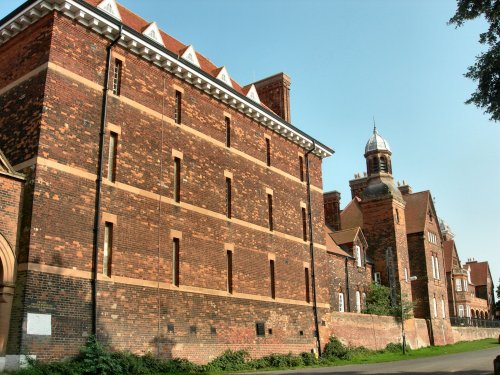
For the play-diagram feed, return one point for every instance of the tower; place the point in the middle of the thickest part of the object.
(384, 224)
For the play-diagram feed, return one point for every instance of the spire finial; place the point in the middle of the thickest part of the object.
(374, 126)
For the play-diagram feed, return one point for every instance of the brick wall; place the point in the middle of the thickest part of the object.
(373, 331)
(139, 293)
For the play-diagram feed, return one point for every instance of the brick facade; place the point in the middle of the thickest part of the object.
(54, 139)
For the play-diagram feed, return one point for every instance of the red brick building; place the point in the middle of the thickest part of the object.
(11, 190)
(403, 236)
(483, 287)
(195, 237)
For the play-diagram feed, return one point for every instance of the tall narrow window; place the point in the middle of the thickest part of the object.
(273, 280)
(397, 216)
(443, 309)
(117, 77)
(358, 301)
(341, 302)
(357, 254)
(228, 197)
(268, 152)
(433, 267)
(177, 179)
(437, 266)
(228, 131)
(301, 168)
(178, 107)
(107, 249)
(175, 261)
(406, 274)
(460, 311)
(458, 285)
(375, 165)
(306, 275)
(304, 224)
(435, 307)
(113, 146)
(383, 164)
(270, 211)
(229, 256)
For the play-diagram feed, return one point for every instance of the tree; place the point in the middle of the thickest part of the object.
(378, 301)
(486, 70)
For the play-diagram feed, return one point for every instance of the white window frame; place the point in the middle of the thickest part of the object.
(406, 274)
(341, 302)
(358, 301)
(460, 311)
(458, 285)
(357, 253)
(376, 277)
(433, 267)
(437, 267)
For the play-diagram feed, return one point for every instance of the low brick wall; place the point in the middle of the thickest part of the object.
(373, 331)
(474, 333)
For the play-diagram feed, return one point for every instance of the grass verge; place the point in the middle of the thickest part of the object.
(96, 360)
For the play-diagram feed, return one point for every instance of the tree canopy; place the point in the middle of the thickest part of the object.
(486, 70)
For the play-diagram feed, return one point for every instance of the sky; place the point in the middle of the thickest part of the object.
(351, 61)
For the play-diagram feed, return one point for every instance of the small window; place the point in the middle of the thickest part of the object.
(229, 256)
(383, 164)
(213, 330)
(460, 311)
(228, 197)
(260, 329)
(113, 145)
(273, 280)
(357, 254)
(269, 331)
(268, 152)
(170, 328)
(375, 165)
(228, 131)
(178, 107)
(397, 216)
(376, 277)
(458, 285)
(117, 77)
(301, 333)
(177, 180)
(107, 249)
(270, 211)
(175, 261)
(341, 302)
(308, 293)
(304, 224)
(193, 330)
(301, 168)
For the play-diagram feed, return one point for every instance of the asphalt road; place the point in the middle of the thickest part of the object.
(471, 363)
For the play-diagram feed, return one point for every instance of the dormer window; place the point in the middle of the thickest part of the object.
(109, 6)
(223, 75)
(190, 55)
(153, 33)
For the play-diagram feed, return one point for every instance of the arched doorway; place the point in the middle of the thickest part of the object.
(7, 263)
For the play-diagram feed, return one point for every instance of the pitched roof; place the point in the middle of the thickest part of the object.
(139, 24)
(345, 236)
(449, 251)
(479, 272)
(351, 216)
(331, 246)
(416, 211)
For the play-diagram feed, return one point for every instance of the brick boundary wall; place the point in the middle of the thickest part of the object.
(373, 331)
(474, 333)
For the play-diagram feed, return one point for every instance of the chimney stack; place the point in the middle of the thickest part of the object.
(274, 92)
(405, 188)
(331, 201)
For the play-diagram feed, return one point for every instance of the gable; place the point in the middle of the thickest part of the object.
(109, 6)
(417, 205)
(352, 215)
(6, 168)
(190, 55)
(252, 94)
(152, 32)
(223, 76)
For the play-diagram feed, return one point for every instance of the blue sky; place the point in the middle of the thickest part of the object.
(351, 60)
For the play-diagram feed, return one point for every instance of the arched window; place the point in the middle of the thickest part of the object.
(341, 302)
(375, 165)
(383, 164)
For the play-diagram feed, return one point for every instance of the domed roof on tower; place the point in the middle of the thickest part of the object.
(376, 142)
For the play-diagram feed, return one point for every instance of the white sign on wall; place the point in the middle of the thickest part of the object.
(39, 324)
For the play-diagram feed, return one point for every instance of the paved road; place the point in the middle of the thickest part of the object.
(471, 363)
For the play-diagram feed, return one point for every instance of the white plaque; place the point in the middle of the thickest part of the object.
(39, 324)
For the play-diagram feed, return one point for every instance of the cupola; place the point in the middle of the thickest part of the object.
(377, 155)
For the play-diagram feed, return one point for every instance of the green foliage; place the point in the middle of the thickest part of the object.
(395, 348)
(283, 360)
(403, 308)
(486, 70)
(230, 361)
(95, 360)
(378, 300)
(335, 349)
(309, 359)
